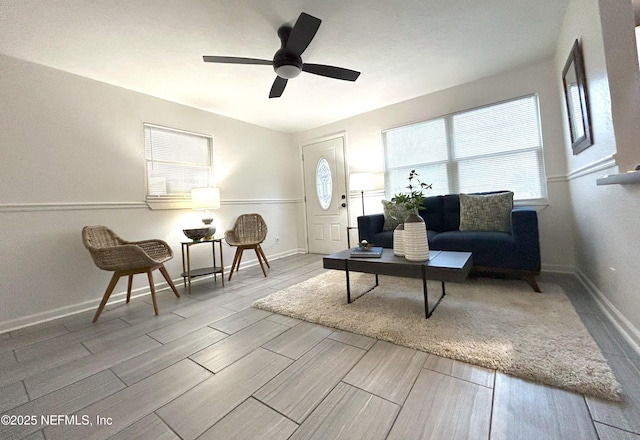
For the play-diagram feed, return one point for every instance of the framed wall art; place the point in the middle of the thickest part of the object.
(575, 93)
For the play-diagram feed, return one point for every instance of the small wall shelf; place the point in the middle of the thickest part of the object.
(629, 178)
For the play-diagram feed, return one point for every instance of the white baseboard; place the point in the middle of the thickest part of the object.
(116, 298)
(49, 315)
(628, 331)
(558, 268)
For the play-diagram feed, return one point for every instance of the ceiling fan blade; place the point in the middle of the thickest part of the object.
(278, 87)
(236, 60)
(302, 33)
(331, 71)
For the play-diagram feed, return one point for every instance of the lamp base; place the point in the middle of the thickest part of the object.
(208, 223)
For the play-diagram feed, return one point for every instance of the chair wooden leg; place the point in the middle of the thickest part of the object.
(236, 261)
(233, 265)
(260, 260)
(241, 249)
(264, 257)
(165, 274)
(129, 288)
(153, 291)
(107, 294)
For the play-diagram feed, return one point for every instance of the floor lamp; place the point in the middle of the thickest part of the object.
(361, 181)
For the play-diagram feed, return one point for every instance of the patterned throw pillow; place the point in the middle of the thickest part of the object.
(394, 214)
(490, 212)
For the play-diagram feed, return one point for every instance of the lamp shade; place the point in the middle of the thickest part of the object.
(360, 181)
(205, 198)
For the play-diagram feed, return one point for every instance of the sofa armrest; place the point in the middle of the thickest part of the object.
(524, 223)
(369, 225)
(524, 227)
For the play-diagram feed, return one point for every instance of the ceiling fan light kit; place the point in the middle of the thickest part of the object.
(288, 71)
(287, 61)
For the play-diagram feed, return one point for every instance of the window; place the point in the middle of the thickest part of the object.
(324, 183)
(176, 162)
(485, 149)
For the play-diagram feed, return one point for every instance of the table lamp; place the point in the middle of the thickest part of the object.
(204, 199)
(361, 181)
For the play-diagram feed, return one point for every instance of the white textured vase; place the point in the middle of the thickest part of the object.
(398, 240)
(416, 246)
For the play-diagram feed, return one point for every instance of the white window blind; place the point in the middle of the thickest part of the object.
(176, 162)
(497, 147)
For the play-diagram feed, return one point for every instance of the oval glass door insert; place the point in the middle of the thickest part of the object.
(324, 183)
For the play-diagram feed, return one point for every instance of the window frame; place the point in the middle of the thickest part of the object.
(452, 162)
(175, 200)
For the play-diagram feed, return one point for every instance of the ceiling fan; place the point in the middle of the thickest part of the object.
(287, 61)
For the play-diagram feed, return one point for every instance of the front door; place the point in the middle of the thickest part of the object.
(325, 195)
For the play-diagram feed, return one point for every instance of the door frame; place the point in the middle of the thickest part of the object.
(308, 142)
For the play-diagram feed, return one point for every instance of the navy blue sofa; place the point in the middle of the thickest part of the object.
(516, 252)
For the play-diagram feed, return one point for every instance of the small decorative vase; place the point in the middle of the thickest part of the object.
(398, 240)
(416, 246)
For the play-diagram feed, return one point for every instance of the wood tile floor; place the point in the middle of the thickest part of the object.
(211, 367)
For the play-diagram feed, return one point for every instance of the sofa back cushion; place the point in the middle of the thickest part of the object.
(432, 213)
(451, 212)
(441, 213)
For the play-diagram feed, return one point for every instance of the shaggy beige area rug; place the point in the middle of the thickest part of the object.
(498, 324)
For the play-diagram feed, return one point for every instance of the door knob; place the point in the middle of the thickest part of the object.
(343, 196)
(344, 205)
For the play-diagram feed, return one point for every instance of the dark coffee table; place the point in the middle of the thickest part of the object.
(444, 266)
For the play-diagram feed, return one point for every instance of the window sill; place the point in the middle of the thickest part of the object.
(168, 204)
(630, 178)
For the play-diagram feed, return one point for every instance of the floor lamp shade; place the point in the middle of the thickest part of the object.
(361, 182)
(204, 199)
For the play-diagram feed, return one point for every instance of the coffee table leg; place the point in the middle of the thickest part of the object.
(424, 290)
(346, 271)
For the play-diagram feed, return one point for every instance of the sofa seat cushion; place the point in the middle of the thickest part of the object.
(490, 249)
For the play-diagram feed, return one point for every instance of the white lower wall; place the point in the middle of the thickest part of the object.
(606, 236)
(73, 155)
(605, 218)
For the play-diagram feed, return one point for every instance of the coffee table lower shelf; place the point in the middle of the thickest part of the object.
(443, 266)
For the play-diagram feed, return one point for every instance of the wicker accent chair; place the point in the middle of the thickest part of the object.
(248, 232)
(112, 253)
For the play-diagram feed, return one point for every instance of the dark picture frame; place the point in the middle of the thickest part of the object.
(575, 94)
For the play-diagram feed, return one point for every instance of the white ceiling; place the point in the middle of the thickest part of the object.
(404, 49)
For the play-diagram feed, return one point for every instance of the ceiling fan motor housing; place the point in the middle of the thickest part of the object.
(286, 65)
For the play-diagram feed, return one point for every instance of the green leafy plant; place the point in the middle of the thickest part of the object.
(414, 198)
